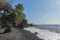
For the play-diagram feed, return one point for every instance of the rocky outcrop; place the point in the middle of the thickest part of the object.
(19, 34)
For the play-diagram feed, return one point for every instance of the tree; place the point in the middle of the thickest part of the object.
(18, 14)
(2, 4)
(19, 7)
(10, 16)
(7, 8)
(15, 17)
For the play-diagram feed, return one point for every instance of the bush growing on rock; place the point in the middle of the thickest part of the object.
(11, 17)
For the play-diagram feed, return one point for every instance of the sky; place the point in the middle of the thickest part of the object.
(40, 11)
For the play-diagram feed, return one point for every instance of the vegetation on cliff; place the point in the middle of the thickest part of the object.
(10, 17)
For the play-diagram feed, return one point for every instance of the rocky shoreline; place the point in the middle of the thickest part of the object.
(19, 34)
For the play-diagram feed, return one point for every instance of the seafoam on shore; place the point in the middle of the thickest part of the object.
(44, 34)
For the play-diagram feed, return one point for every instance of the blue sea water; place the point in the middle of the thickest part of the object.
(54, 28)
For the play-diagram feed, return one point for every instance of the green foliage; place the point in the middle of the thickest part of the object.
(0, 15)
(2, 4)
(12, 15)
(19, 7)
(19, 16)
(3, 21)
(9, 8)
(5, 6)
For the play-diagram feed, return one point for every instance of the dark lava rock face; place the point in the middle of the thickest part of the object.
(19, 34)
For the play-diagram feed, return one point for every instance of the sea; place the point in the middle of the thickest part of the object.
(46, 32)
(54, 28)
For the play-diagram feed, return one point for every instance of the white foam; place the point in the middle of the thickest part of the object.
(44, 34)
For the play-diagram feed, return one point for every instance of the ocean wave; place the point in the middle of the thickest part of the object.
(44, 34)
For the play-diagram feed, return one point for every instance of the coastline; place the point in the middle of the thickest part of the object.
(44, 34)
(19, 34)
